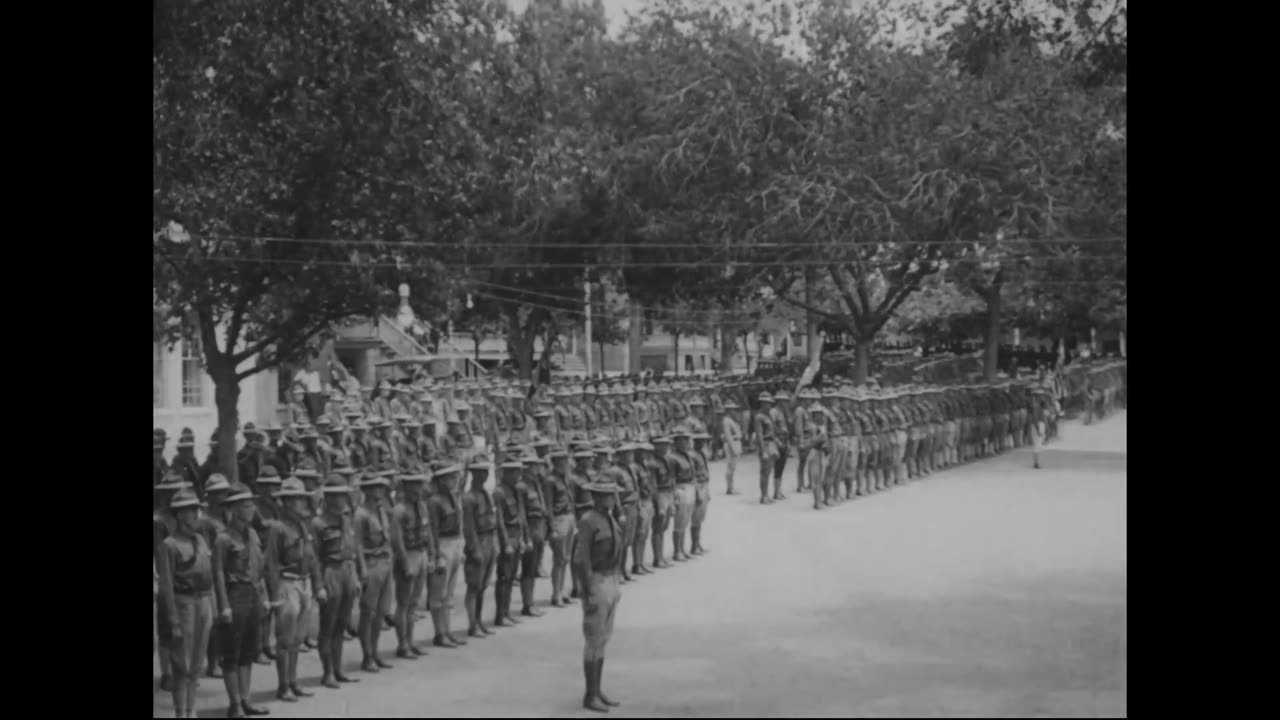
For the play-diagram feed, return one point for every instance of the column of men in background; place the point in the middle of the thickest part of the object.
(331, 524)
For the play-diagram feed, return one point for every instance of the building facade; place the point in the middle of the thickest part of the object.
(182, 393)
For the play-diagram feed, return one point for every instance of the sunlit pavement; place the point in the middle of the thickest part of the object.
(990, 589)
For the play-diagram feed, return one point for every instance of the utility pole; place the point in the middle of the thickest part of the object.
(586, 299)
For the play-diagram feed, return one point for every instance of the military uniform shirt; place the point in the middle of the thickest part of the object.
(372, 528)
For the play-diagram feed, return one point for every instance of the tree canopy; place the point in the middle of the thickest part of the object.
(716, 161)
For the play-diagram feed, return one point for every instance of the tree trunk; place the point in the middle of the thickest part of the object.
(990, 364)
(675, 346)
(544, 361)
(600, 344)
(635, 338)
(226, 395)
(520, 339)
(862, 362)
(727, 341)
(524, 356)
(810, 317)
(475, 337)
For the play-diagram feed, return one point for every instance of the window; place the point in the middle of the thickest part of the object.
(192, 367)
(157, 376)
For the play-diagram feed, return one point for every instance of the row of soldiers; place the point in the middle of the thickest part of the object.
(274, 549)
(864, 440)
(741, 414)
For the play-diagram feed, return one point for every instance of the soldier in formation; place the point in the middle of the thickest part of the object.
(384, 505)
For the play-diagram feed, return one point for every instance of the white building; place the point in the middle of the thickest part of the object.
(182, 394)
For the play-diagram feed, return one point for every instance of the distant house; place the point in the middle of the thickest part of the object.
(182, 393)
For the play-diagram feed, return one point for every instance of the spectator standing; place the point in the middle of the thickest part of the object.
(313, 384)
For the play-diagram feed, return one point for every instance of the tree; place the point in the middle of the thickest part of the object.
(1069, 73)
(545, 204)
(300, 149)
(608, 311)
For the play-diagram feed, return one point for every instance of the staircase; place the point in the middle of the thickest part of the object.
(397, 342)
(571, 364)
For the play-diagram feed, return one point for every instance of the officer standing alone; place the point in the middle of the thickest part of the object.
(596, 561)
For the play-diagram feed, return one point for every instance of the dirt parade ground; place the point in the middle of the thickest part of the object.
(990, 589)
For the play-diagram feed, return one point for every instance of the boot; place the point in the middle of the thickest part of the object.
(232, 682)
(590, 699)
(180, 694)
(166, 680)
(293, 676)
(446, 623)
(366, 647)
(498, 620)
(480, 613)
(326, 667)
(377, 635)
(507, 592)
(402, 634)
(283, 691)
(335, 648)
(677, 546)
(557, 577)
(526, 598)
(600, 685)
(472, 629)
(441, 640)
(502, 613)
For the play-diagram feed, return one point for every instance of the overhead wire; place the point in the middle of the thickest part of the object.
(385, 264)
(451, 244)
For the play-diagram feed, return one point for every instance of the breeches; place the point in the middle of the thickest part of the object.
(664, 508)
(701, 499)
(685, 498)
(631, 512)
(190, 641)
(598, 613)
(532, 557)
(295, 601)
(508, 566)
(441, 584)
(375, 596)
(816, 464)
(644, 520)
(411, 580)
(335, 611)
(479, 566)
(238, 639)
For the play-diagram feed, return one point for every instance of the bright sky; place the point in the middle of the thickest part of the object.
(616, 10)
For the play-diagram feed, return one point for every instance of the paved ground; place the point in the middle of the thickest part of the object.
(988, 590)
